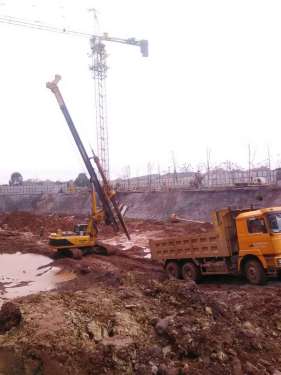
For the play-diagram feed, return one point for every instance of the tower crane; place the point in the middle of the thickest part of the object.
(99, 68)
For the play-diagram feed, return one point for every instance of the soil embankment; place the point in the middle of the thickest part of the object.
(196, 204)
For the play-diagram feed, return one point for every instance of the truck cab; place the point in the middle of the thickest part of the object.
(259, 242)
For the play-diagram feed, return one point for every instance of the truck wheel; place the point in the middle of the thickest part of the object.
(254, 272)
(173, 270)
(190, 271)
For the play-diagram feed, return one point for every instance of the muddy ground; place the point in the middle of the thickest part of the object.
(121, 315)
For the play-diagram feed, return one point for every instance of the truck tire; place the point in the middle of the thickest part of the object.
(255, 272)
(191, 271)
(173, 270)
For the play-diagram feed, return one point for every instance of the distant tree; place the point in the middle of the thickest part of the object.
(16, 179)
(82, 180)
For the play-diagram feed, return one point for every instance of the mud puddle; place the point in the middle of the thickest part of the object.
(137, 246)
(23, 274)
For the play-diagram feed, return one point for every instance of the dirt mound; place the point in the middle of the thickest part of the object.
(44, 224)
(168, 228)
(37, 224)
(25, 242)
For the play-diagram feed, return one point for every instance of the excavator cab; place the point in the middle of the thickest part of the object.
(80, 229)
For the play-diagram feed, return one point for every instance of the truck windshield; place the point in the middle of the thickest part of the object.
(274, 220)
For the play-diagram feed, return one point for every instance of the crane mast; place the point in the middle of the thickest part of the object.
(99, 69)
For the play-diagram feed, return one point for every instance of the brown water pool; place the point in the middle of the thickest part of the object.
(23, 274)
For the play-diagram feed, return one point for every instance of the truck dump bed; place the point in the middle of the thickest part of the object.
(215, 243)
(191, 246)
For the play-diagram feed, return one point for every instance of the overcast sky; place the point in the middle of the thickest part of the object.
(213, 80)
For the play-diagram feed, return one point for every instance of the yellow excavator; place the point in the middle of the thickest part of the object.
(83, 239)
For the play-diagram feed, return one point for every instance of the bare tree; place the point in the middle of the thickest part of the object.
(149, 172)
(159, 175)
(174, 167)
(251, 159)
(269, 162)
(208, 159)
(127, 175)
(249, 162)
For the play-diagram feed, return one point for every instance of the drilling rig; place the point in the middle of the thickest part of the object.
(84, 237)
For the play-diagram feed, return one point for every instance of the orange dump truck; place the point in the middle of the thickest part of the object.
(243, 242)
